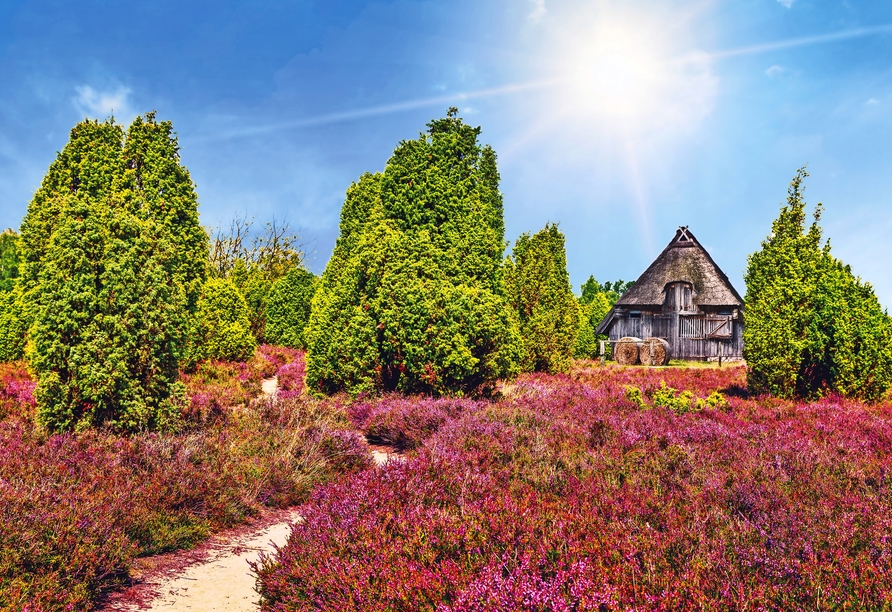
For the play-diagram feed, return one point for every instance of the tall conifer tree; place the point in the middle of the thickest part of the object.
(413, 298)
(812, 327)
(539, 290)
(112, 262)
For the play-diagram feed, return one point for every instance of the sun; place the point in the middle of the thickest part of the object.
(615, 72)
(629, 70)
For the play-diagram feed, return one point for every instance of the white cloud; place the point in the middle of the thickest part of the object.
(101, 104)
(787, 3)
(776, 70)
(872, 102)
(538, 11)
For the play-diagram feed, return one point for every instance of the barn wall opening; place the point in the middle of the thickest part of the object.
(679, 297)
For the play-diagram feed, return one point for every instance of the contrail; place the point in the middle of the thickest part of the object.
(386, 109)
(379, 110)
(804, 41)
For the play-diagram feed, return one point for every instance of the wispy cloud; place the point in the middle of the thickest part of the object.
(806, 41)
(373, 111)
(787, 3)
(538, 11)
(101, 104)
(692, 76)
(872, 102)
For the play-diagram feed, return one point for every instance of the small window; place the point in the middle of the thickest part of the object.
(634, 314)
(679, 297)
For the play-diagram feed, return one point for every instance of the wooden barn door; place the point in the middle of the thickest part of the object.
(703, 336)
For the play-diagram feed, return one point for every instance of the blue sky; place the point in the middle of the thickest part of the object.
(619, 119)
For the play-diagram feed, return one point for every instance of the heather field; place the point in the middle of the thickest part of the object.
(77, 509)
(611, 488)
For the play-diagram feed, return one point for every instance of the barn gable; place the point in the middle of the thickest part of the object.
(683, 259)
(682, 290)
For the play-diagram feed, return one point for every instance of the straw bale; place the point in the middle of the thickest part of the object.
(625, 352)
(660, 350)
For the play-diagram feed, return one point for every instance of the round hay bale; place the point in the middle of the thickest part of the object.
(659, 348)
(625, 351)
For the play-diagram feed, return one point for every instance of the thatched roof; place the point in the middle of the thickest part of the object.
(683, 259)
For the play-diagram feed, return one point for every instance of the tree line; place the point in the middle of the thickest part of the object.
(112, 287)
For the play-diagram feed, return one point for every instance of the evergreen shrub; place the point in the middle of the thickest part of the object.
(223, 326)
(595, 301)
(287, 308)
(812, 327)
(13, 324)
(412, 299)
(539, 290)
(112, 260)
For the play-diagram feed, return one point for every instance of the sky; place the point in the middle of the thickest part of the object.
(619, 120)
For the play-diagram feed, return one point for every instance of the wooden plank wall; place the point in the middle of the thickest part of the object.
(666, 326)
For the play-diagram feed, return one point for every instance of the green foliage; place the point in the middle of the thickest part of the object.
(716, 400)
(539, 290)
(13, 326)
(254, 261)
(679, 402)
(255, 287)
(852, 349)
(112, 258)
(413, 298)
(595, 302)
(588, 344)
(636, 396)
(288, 308)
(611, 290)
(9, 259)
(812, 327)
(667, 397)
(223, 327)
(158, 189)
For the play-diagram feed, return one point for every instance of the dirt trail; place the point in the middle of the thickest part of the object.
(214, 576)
(224, 582)
(269, 386)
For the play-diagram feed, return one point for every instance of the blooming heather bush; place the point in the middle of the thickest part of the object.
(216, 386)
(405, 422)
(16, 392)
(76, 509)
(291, 377)
(565, 495)
(276, 356)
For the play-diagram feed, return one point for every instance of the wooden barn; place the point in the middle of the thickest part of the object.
(685, 299)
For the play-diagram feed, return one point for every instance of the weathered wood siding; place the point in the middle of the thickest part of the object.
(700, 336)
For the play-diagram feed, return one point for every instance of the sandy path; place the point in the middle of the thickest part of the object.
(224, 582)
(216, 576)
(269, 386)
